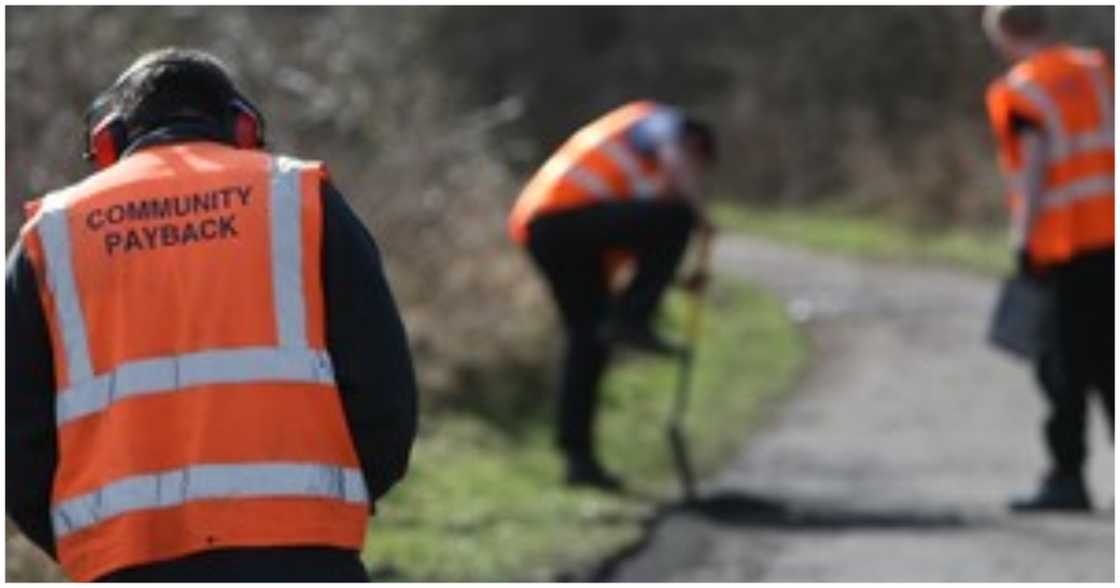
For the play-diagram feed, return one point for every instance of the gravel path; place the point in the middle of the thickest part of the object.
(894, 459)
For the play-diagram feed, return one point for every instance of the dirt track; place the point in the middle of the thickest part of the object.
(895, 457)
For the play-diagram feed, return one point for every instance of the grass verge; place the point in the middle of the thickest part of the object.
(479, 504)
(484, 502)
(871, 236)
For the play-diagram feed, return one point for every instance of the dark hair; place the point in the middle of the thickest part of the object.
(172, 83)
(1022, 22)
(701, 137)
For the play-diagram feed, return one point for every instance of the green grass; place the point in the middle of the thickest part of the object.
(872, 236)
(479, 504)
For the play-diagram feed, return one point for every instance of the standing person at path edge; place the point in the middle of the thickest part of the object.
(1053, 117)
(626, 185)
(207, 375)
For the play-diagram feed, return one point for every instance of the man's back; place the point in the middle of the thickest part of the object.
(196, 399)
(1065, 94)
(1070, 88)
(152, 235)
(207, 373)
(596, 164)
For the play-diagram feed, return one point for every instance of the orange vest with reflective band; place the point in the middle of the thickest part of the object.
(196, 403)
(594, 165)
(1067, 92)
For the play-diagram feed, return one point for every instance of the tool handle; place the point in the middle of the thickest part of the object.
(694, 317)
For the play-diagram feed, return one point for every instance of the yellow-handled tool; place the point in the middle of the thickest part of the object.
(677, 441)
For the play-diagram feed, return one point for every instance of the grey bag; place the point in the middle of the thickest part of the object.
(1022, 317)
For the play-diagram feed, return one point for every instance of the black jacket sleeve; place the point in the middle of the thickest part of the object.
(30, 431)
(367, 344)
(1020, 123)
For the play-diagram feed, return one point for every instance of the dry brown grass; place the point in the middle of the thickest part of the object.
(430, 118)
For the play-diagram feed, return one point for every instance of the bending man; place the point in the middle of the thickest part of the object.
(624, 186)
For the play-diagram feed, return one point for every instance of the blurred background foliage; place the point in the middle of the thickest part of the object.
(430, 118)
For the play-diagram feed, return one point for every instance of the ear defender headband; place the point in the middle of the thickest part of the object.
(107, 136)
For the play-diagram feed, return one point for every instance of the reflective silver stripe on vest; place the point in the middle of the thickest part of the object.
(640, 186)
(1104, 97)
(208, 482)
(54, 233)
(287, 252)
(1104, 137)
(164, 374)
(1091, 187)
(588, 180)
(1058, 138)
(1088, 142)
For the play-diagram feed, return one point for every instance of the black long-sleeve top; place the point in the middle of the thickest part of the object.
(365, 339)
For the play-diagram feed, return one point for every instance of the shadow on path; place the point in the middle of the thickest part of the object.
(754, 511)
(743, 509)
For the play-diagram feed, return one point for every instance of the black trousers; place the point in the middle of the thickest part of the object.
(1080, 359)
(252, 564)
(568, 248)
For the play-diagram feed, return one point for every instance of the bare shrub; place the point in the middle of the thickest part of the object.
(430, 119)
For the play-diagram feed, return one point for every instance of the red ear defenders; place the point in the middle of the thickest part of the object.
(107, 138)
(247, 124)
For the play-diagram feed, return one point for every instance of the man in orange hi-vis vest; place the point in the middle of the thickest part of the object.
(1052, 114)
(207, 375)
(625, 185)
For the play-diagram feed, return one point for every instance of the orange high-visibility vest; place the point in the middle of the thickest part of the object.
(196, 402)
(1067, 92)
(593, 166)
